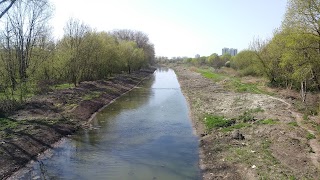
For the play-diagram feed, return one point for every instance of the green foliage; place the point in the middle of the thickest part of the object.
(310, 136)
(268, 121)
(6, 123)
(293, 124)
(248, 116)
(212, 121)
(246, 63)
(63, 86)
(81, 55)
(211, 75)
(236, 126)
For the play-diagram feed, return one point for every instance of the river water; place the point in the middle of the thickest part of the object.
(145, 134)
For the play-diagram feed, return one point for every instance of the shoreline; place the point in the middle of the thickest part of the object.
(273, 146)
(46, 119)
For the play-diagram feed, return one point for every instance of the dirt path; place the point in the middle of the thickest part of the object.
(313, 143)
(275, 144)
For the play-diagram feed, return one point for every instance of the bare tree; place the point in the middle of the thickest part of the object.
(5, 5)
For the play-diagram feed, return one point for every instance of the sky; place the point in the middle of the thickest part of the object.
(178, 27)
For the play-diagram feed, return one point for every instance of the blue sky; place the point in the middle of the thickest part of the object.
(179, 27)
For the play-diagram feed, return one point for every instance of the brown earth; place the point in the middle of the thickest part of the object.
(281, 149)
(45, 119)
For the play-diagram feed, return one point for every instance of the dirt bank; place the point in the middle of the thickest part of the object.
(275, 143)
(45, 119)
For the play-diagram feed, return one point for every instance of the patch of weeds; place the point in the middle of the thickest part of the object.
(266, 150)
(211, 75)
(212, 121)
(256, 110)
(293, 124)
(92, 95)
(246, 117)
(63, 86)
(305, 117)
(6, 123)
(268, 121)
(236, 126)
(310, 136)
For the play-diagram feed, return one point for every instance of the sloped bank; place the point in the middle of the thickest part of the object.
(45, 119)
(266, 140)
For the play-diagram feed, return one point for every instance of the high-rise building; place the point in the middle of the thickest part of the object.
(230, 51)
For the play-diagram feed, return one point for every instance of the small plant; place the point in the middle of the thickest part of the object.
(268, 121)
(293, 123)
(212, 121)
(305, 117)
(310, 136)
(246, 117)
(236, 126)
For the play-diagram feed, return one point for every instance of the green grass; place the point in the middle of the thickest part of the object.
(92, 95)
(293, 124)
(236, 126)
(212, 121)
(6, 123)
(63, 86)
(235, 83)
(310, 136)
(211, 75)
(268, 121)
(241, 87)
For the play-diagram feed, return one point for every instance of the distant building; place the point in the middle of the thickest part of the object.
(197, 56)
(230, 51)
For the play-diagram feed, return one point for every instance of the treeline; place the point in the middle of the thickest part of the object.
(291, 59)
(31, 60)
(214, 60)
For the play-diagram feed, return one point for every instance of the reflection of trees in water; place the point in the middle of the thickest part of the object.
(163, 69)
(132, 100)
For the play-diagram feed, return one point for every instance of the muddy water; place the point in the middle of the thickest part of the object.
(145, 134)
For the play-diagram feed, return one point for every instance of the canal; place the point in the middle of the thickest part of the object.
(145, 134)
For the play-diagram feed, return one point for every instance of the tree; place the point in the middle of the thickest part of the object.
(25, 27)
(70, 45)
(141, 39)
(303, 17)
(5, 5)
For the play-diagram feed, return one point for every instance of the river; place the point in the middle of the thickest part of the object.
(145, 134)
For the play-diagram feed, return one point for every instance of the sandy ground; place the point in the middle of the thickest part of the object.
(280, 150)
(45, 119)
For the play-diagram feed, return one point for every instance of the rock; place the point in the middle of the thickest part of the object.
(237, 135)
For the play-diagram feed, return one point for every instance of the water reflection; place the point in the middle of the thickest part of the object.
(146, 134)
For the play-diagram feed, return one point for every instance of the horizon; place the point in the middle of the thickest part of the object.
(179, 28)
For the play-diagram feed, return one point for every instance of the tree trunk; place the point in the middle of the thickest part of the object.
(303, 91)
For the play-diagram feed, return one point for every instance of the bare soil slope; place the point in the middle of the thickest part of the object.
(275, 145)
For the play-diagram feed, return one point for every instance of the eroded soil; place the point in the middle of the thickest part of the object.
(276, 145)
(45, 119)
